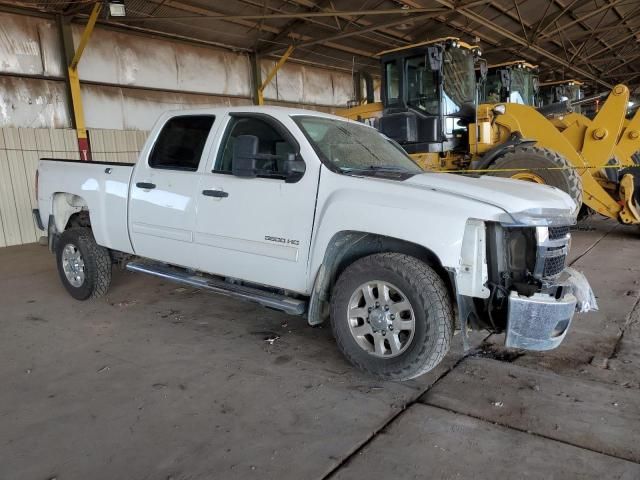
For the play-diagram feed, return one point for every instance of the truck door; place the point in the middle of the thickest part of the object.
(257, 229)
(163, 191)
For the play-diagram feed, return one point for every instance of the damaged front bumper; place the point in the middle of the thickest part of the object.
(541, 321)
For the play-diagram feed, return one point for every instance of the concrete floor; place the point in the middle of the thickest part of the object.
(156, 381)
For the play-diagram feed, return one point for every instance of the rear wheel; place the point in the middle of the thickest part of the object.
(539, 165)
(391, 316)
(84, 266)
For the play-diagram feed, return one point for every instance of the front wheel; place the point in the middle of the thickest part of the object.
(391, 316)
(83, 265)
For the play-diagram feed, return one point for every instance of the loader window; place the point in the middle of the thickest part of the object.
(180, 143)
(392, 82)
(422, 85)
(459, 80)
(492, 89)
(521, 87)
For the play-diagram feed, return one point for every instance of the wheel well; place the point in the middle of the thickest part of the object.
(347, 247)
(69, 211)
(79, 219)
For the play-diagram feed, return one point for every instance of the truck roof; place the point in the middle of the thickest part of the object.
(267, 109)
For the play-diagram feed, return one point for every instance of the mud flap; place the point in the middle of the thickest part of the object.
(466, 316)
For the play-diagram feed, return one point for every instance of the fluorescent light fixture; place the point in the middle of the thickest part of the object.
(116, 8)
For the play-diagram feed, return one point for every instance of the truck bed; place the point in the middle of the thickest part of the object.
(102, 186)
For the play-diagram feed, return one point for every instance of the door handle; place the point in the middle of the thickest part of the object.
(215, 193)
(146, 185)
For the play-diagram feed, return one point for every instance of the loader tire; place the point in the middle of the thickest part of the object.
(392, 316)
(84, 266)
(540, 159)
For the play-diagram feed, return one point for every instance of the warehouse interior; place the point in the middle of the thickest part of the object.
(160, 380)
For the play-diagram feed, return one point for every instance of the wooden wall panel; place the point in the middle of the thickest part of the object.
(8, 207)
(20, 150)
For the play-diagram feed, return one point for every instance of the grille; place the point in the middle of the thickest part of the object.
(551, 255)
(553, 265)
(558, 232)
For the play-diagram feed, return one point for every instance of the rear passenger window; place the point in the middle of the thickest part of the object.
(180, 143)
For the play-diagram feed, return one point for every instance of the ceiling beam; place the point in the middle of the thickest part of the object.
(533, 47)
(388, 33)
(279, 16)
(590, 14)
(252, 25)
(372, 28)
(555, 18)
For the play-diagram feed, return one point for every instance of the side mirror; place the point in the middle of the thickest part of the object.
(484, 69)
(505, 78)
(294, 168)
(368, 84)
(435, 58)
(245, 154)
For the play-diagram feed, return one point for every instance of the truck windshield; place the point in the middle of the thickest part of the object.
(351, 146)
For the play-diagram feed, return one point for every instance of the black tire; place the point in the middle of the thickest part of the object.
(585, 213)
(97, 264)
(536, 158)
(429, 299)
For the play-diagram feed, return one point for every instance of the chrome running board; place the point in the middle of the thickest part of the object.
(283, 303)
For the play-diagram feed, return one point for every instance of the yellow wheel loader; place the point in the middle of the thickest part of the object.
(564, 103)
(430, 106)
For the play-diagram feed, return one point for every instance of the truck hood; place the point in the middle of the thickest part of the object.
(512, 196)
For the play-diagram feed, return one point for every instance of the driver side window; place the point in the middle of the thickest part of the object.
(273, 148)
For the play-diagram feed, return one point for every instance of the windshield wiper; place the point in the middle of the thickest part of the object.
(374, 168)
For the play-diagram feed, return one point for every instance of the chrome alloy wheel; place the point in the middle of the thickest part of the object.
(73, 265)
(381, 319)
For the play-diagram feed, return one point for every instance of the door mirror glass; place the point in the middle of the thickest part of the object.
(294, 168)
(245, 155)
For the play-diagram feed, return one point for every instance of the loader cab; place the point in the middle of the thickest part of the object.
(561, 91)
(429, 95)
(513, 82)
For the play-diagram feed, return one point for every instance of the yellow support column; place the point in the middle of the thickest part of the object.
(74, 85)
(272, 74)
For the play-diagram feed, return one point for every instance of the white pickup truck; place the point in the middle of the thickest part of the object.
(315, 215)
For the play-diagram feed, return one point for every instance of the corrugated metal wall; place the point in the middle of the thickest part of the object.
(20, 149)
(127, 81)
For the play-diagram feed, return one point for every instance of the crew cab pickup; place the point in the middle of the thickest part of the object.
(315, 215)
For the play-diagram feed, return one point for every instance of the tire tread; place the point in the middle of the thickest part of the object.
(98, 259)
(435, 298)
(574, 182)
